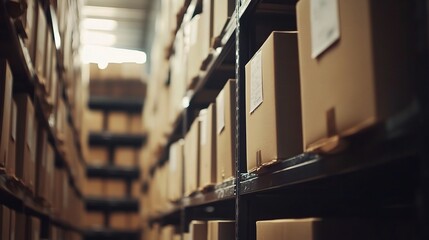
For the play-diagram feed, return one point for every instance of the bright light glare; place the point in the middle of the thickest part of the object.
(106, 55)
(98, 38)
(99, 24)
(102, 65)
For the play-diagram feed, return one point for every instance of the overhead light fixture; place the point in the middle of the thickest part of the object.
(98, 38)
(99, 24)
(105, 55)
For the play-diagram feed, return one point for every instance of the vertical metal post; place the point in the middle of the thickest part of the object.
(237, 120)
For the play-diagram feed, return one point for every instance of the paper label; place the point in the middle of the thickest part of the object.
(256, 95)
(14, 119)
(325, 25)
(220, 112)
(203, 130)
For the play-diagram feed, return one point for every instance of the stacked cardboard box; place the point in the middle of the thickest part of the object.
(6, 83)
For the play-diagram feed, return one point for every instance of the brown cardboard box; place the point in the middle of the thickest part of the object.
(167, 232)
(115, 188)
(136, 124)
(191, 161)
(94, 219)
(12, 224)
(223, 9)
(225, 132)
(31, 26)
(6, 83)
(273, 101)
(50, 173)
(175, 168)
(40, 56)
(5, 222)
(125, 157)
(323, 229)
(48, 61)
(26, 138)
(35, 227)
(119, 221)
(221, 230)
(136, 189)
(61, 120)
(345, 88)
(94, 121)
(11, 159)
(98, 156)
(208, 146)
(117, 122)
(207, 27)
(194, 54)
(198, 230)
(41, 164)
(94, 187)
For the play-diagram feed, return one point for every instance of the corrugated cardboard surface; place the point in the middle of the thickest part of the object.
(115, 188)
(136, 125)
(98, 155)
(222, 10)
(94, 121)
(93, 219)
(274, 128)
(225, 140)
(208, 147)
(198, 230)
(117, 122)
(94, 187)
(192, 161)
(5, 104)
(125, 157)
(35, 228)
(348, 88)
(221, 230)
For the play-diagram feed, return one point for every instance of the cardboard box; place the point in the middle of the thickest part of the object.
(50, 173)
(26, 139)
(124, 221)
(273, 101)
(40, 56)
(12, 224)
(136, 125)
(53, 80)
(125, 157)
(117, 122)
(323, 229)
(208, 146)
(207, 19)
(198, 230)
(194, 57)
(136, 189)
(94, 219)
(222, 10)
(6, 83)
(345, 88)
(31, 26)
(35, 228)
(192, 155)
(5, 222)
(95, 121)
(41, 164)
(11, 159)
(175, 168)
(94, 187)
(115, 188)
(221, 230)
(225, 132)
(98, 156)
(167, 232)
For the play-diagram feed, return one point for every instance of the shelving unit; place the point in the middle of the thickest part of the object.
(111, 235)
(111, 204)
(112, 172)
(116, 139)
(383, 172)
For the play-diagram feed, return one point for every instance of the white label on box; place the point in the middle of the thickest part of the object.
(220, 112)
(14, 119)
(256, 93)
(203, 130)
(325, 25)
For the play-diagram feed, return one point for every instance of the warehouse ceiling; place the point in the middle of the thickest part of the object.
(124, 24)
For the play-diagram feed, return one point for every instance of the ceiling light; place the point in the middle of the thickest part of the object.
(103, 55)
(98, 38)
(99, 24)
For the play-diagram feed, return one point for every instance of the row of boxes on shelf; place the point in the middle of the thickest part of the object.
(295, 229)
(198, 230)
(26, 152)
(42, 45)
(114, 122)
(16, 225)
(95, 187)
(296, 102)
(193, 43)
(117, 221)
(122, 156)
